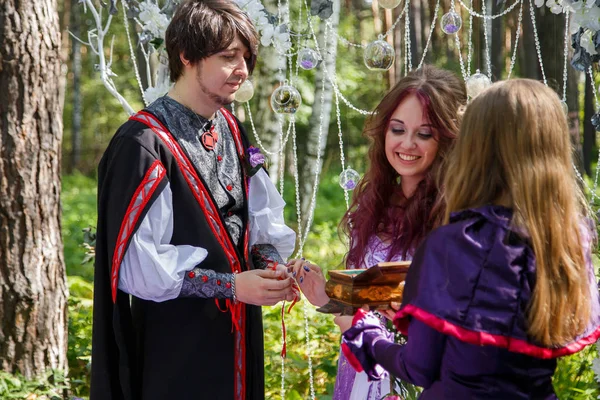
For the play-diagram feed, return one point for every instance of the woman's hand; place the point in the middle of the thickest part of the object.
(391, 313)
(344, 322)
(311, 280)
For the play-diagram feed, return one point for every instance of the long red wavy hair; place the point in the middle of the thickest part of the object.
(373, 211)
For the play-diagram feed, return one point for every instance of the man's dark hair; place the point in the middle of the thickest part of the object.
(201, 28)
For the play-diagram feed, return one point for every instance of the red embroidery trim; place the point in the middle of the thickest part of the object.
(195, 184)
(238, 315)
(488, 339)
(352, 360)
(132, 215)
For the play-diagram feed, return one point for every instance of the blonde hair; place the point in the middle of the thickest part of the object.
(514, 149)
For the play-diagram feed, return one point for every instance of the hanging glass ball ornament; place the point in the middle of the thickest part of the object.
(349, 179)
(477, 83)
(565, 107)
(451, 22)
(379, 55)
(245, 92)
(389, 4)
(286, 100)
(308, 58)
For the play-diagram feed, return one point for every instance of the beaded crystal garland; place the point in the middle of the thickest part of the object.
(565, 107)
(278, 30)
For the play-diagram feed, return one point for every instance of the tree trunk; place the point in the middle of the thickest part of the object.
(399, 46)
(589, 133)
(320, 116)
(33, 290)
(574, 124)
(389, 21)
(551, 28)
(498, 48)
(77, 99)
(415, 32)
(271, 69)
(528, 60)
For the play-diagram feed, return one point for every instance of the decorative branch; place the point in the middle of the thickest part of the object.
(132, 53)
(96, 44)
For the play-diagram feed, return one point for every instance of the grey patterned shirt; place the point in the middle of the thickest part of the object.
(219, 168)
(222, 173)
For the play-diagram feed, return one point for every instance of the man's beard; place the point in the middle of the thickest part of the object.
(219, 100)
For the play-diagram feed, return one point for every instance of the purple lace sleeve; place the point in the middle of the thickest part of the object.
(206, 283)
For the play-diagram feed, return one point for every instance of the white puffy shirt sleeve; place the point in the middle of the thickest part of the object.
(265, 208)
(153, 269)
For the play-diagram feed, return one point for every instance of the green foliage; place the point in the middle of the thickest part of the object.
(51, 386)
(78, 199)
(573, 380)
(81, 293)
(574, 377)
(324, 248)
(324, 339)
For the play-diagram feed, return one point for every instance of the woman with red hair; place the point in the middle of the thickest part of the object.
(398, 201)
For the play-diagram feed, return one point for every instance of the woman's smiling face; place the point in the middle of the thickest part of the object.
(410, 143)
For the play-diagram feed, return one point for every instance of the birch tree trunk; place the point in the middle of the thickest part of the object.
(33, 290)
(265, 120)
(589, 133)
(271, 69)
(323, 89)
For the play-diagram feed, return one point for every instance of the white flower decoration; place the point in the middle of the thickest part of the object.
(269, 34)
(154, 92)
(152, 19)
(588, 43)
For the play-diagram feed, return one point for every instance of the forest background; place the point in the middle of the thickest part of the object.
(91, 116)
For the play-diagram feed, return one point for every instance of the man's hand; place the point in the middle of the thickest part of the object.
(264, 287)
(311, 280)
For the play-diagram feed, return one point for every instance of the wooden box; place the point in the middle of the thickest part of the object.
(378, 286)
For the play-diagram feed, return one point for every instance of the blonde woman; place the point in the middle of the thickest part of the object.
(507, 286)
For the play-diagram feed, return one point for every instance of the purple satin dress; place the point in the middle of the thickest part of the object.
(464, 310)
(345, 380)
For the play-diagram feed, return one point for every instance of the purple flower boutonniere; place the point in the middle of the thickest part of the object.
(256, 160)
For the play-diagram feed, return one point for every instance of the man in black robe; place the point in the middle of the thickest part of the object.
(177, 295)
